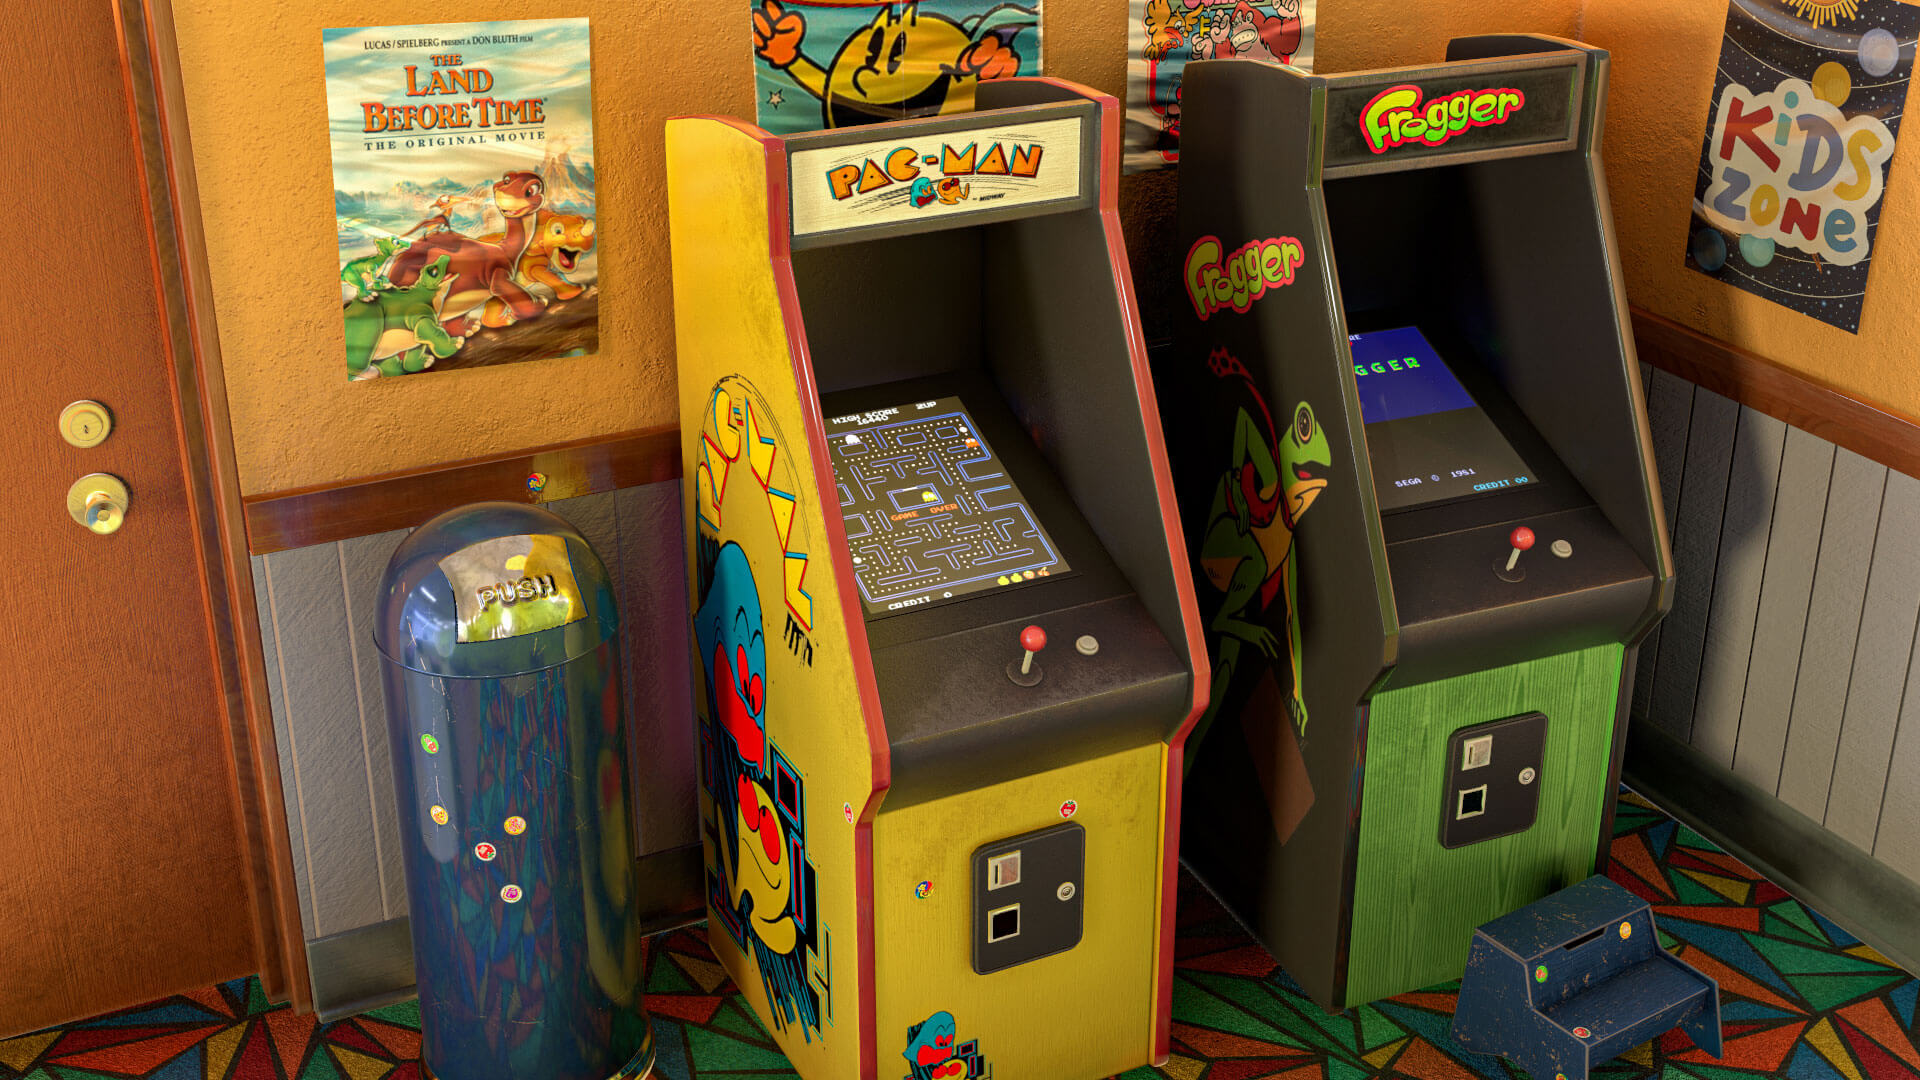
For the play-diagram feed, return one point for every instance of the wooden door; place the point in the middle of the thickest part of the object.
(122, 871)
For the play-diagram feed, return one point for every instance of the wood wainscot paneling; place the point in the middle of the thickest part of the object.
(1752, 380)
(282, 520)
(1779, 707)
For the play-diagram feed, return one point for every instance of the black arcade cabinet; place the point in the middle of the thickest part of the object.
(1411, 453)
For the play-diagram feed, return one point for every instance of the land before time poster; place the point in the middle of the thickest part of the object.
(463, 194)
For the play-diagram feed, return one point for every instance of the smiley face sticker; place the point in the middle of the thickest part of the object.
(515, 825)
(438, 814)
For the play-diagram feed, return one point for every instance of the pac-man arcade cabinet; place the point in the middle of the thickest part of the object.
(948, 651)
(1413, 463)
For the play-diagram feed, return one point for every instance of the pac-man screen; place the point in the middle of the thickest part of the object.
(1429, 440)
(931, 511)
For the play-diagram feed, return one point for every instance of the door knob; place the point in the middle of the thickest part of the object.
(98, 501)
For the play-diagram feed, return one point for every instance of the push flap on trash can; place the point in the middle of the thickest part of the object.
(493, 589)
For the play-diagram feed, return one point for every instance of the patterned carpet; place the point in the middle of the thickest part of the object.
(1800, 997)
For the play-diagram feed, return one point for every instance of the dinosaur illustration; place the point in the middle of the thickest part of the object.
(905, 63)
(559, 242)
(479, 271)
(397, 331)
(364, 274)
(441, 219)
(1247, 552)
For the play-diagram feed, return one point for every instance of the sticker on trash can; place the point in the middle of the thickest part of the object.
(511, 586)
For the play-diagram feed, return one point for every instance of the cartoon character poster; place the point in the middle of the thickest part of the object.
(1164, 34)
(837, 63)
(463, 193)
(1806, 107)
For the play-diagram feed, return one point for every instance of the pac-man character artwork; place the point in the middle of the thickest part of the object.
(834, 65)
(760, 882)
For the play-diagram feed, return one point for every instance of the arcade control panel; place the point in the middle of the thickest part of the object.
(1494, 548)
(1002, 633)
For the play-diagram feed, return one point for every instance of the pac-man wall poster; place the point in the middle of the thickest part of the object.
(1800, 134)
(1162, 35)
(838, 63)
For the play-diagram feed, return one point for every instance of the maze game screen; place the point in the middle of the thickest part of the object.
(931, 512)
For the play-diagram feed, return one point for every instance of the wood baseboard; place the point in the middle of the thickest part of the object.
(1829, 874)
(365, 968)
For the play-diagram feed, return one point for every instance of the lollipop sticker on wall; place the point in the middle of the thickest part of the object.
(1806, 108)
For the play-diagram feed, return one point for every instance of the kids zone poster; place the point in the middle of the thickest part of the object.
(824, 64)
(1806, 108)
(1164, 34)
(463, 193)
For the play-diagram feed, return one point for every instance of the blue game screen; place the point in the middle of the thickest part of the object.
(931, 511)
(1429, 440)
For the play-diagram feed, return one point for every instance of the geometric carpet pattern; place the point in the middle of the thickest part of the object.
(1800, 998)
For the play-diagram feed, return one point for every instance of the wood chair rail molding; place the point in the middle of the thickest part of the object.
(1764, 385)
(277, 521)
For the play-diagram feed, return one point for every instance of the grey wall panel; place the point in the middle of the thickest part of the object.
(1897, 843)
(283, 741)
(1669, 412)
(1759, 441)
(1833, 628)
(1779, 631)
(322, 705)
(653, 547)
(1880, 662)
(1696, 550)
(363, 561)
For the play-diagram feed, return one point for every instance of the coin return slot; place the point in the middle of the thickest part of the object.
(1002, 871)
(1003, 923)
(1472, 802)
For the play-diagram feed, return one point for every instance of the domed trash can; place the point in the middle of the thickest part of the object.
(499, 633)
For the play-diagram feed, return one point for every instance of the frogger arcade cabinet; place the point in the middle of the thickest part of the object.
(1412, 458)
(947, 648)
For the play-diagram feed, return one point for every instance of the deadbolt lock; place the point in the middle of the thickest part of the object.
(99, 502)
(85, 424)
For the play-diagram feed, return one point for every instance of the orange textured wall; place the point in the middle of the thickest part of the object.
(1663, 67)
(256, 102)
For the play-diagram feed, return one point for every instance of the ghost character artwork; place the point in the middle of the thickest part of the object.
(1247, 552)
(934, 1052)
(889, 61)
(759, 880)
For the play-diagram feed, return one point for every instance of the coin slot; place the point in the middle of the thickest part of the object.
(1003, 923)
(1475, 753)
(1003, 870)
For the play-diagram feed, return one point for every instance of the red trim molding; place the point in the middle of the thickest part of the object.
(280, 520)
(1764, 385)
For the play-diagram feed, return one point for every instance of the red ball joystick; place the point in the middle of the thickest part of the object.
(1032, 639)
(1522, 539)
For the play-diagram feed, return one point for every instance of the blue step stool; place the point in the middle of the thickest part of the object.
(1574, 980)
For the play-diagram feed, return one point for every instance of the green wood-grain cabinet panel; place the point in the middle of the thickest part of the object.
(1415, 903)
